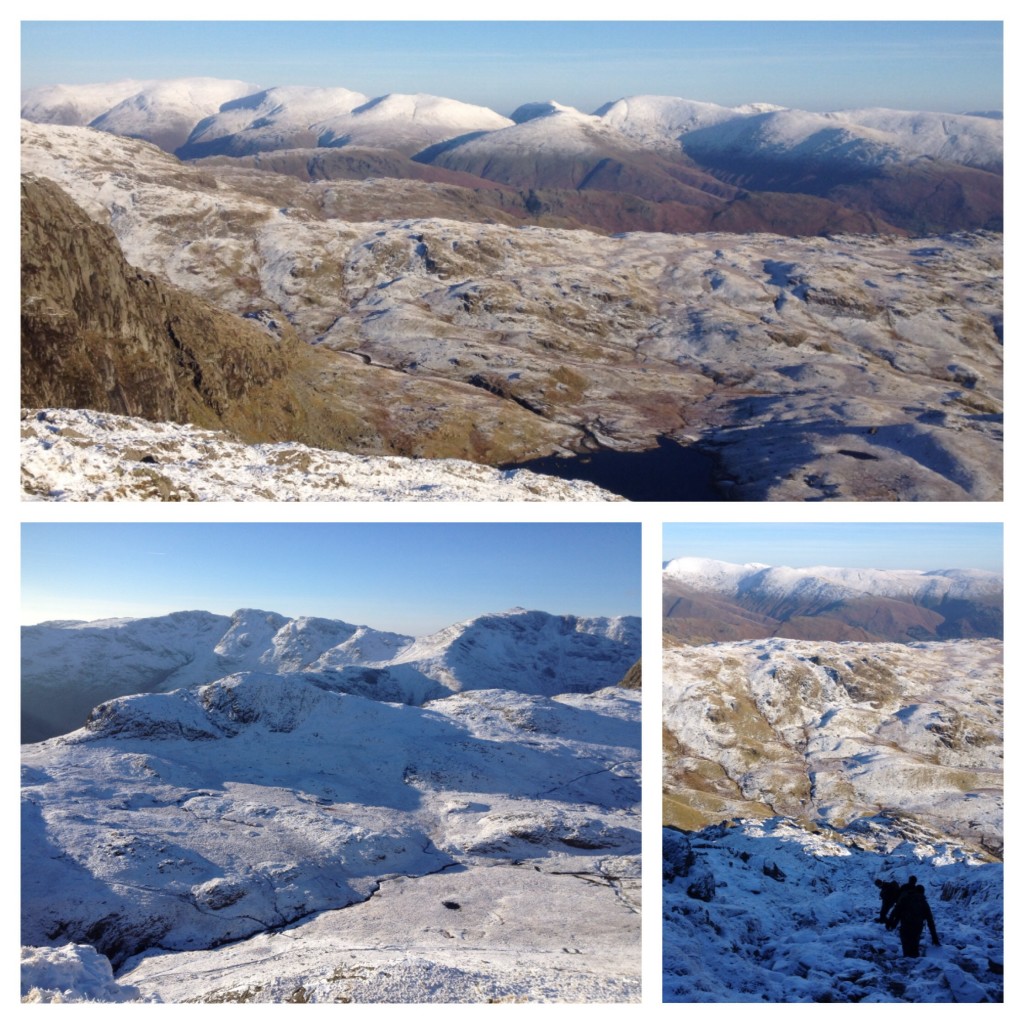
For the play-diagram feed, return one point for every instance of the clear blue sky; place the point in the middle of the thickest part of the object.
(862, 545)
(816, 65)
(410, 578)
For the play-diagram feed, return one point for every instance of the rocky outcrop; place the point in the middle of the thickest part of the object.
(98, 333)
(632, 680)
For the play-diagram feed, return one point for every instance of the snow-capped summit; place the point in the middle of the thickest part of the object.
(161, 111)
(407, 123)
(78, 104)
(660, 122)
(869, 138)
(302, 117)
(68, 669)
(529, 111)
(710, 600)
(727, 578)
(165, 112)
(528, 651)
(709, 574)
(282, 117)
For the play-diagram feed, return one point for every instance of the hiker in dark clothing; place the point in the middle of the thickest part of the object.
(911, 913)
(890, 893)
(908, 886)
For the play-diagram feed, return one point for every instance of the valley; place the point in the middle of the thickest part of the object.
(559, 286)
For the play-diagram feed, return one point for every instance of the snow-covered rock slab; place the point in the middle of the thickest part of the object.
(457, 936)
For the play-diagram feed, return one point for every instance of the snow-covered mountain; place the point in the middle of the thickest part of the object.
(552, 146)
(849, 139)
(270, 836)
(408, 123)
(235, 117)
(84, 103)
(278, 118)
(160, 111)
(301, 117)
(181, 821)
(865, 170)
(777, 912)
(70, 668)
(660, 122)
(832, 582)
(828, 603)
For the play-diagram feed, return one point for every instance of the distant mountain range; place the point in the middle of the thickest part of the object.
(707, 600)
(69, 668)
(874, 163)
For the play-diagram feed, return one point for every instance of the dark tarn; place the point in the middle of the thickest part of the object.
(669, 472)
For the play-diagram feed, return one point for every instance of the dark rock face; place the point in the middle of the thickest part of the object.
(98, 333)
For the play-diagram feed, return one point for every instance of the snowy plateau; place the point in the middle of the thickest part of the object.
(798, 770)
(305, 810)
(738, 303)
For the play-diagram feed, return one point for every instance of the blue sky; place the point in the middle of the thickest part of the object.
(863, 545)
(937, 65)
(411, 578)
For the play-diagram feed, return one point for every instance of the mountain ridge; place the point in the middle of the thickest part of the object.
(707, 599)
(68, 670)
(654, 121)
(861, 162)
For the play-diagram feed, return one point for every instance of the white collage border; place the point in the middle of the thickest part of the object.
(1010, 512)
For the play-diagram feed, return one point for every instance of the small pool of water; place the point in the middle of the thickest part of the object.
(669, 472)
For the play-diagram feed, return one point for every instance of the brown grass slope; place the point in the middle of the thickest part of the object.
(97, 333)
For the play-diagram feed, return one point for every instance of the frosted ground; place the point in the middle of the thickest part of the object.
(270, 836)
(785, 913)
(833, 732)
(848, 367)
